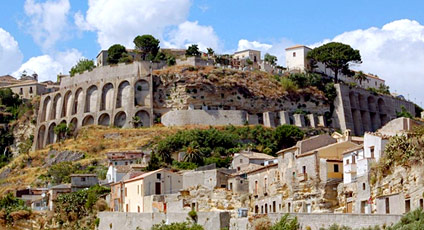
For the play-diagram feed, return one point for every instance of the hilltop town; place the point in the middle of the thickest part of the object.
(231, 141)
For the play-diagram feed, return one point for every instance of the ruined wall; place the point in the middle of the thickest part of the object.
(204, 117)
(360, 110)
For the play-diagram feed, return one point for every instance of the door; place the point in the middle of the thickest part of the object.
(157, 188)
(349, 207)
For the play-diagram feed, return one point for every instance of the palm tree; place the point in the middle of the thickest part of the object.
(193, 153)
(360, 77)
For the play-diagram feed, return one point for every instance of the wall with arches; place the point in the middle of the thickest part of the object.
(362, 111)
(117, 95)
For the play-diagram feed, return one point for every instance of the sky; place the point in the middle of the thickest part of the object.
(49, 36)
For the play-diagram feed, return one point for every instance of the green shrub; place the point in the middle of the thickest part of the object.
(177, 226)
(286, 223)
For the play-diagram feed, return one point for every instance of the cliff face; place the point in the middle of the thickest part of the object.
(255, 92)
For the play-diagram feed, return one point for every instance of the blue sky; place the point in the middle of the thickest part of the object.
(48, 37)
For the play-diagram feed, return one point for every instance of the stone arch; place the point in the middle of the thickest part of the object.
(104, 119)
(144, 119)
(51, 136)
(381, 106)
(40, 137)
(57, 101)
(362, 102)
(91, 99)
(120, 119)
(124, 91)
(107, 97)
(73, 125)
(67, 104)
(371, 104)
(88, 120)
(78, 101)
(142, 91)
(46, 109)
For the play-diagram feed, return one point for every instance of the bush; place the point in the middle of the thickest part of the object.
(288, 85)
(12, 209)
(286, 223)
(412, 220)
(177, 226)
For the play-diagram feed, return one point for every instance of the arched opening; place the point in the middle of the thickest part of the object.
(91, 99)
(352, 100)
(46, 109)
(357, 122)
(107, 97)
(120, 119)
(381, 106)
(73, 125)
(88, 120)
(142, 120)
(124, 95)
(78, 100)
(104, 119)
(51, 136)
(67, 104)
(142, 92)
(40, 137)
(362, 102)
(371, 104)
(56, 107)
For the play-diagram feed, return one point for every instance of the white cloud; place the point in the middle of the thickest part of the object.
(189, 33)
(394, 52)
(10, 54)
(277, 48)
(48, 67)
(48, 21)
(120, 21)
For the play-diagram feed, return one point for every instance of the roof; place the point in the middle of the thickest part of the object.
(353, 149)
(61, 186)
(247, 169)
(80, 175)
(297, 46)
(142, 176)
(255, 155)
(242, 51)
(287, 149)
(263, 167)
(8, 78)
(126, 168)
(23, 83)
(324, 147)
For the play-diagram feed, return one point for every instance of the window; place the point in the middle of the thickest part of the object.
(82, 179)
(126, 207)
(126, 194)
(231, 186)
(138, 208)
(238, 168)
(421, 203)
(21, 91)
(387, 205)
(294, 54)
(158, 176)
(116, 163)
(353, 160)
(304, 169)
(347, 161)
(30, 89)
(138, 190)
(407, 206)
(336, 168)
(372, 152)
(241, 161)
(364, 186)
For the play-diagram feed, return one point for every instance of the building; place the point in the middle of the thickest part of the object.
(116, 172)
(116, 201)
(55, 191)
(82, 181)
(128, 157)
(243, 159)
(297, 61)
(144, 192)
(35, 198)
(211, 178)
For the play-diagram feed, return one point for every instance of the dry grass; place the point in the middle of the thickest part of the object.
(93, 141)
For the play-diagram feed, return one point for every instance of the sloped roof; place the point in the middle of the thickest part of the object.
(256, 155)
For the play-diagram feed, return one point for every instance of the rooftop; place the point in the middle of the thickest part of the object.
(255, 155)
(297, 46)
(83, 175)
(242, 51)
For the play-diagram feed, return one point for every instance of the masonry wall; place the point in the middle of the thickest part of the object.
(316, 221)
(204, 117)
(145, 221)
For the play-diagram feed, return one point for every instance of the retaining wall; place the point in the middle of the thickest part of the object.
(204, 117)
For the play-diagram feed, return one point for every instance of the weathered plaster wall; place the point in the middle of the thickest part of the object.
(204, 117)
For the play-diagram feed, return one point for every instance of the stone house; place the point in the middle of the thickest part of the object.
(240, 58)
(143, 193)
(116, 172)
(116, 200)
(209, 178)
(82, 181)
(243, 159)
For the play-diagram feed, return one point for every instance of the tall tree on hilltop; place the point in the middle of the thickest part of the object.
(147, 45)
(336, 56)
(116, 53)
(193, 50)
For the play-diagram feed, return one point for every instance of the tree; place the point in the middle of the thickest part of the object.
(148, 46)
(404, 113)
(81, 66)
(287, 136)
(193, 50)
(116, 53)
(271, 59)
(210, 51)
(336, 56)
(193, 153)
(360, 77)
(63, 131)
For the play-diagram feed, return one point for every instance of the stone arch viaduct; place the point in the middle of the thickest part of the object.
(117, 95)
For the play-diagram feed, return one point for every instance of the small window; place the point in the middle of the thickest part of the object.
(364, 186)
(158, 176)
(30, 89)
(336, 168)
(347, 161)
(304, 169)
(21, 91)
(353, 160)
(125, 192)
(294, 54)
(116, 163)
(241, 161)
(238, 168)
(372, 152)
(82, 179)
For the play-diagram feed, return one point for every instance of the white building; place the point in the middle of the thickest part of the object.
(297, 61)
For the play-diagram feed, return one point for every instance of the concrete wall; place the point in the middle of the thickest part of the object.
(209, 178)
(204, 117)
(317, 221)
(195, 61)
(145, 221)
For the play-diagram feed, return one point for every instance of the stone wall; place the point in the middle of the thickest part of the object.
(360, 110)
(316, 220)
(204, 117)
(145, 221)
